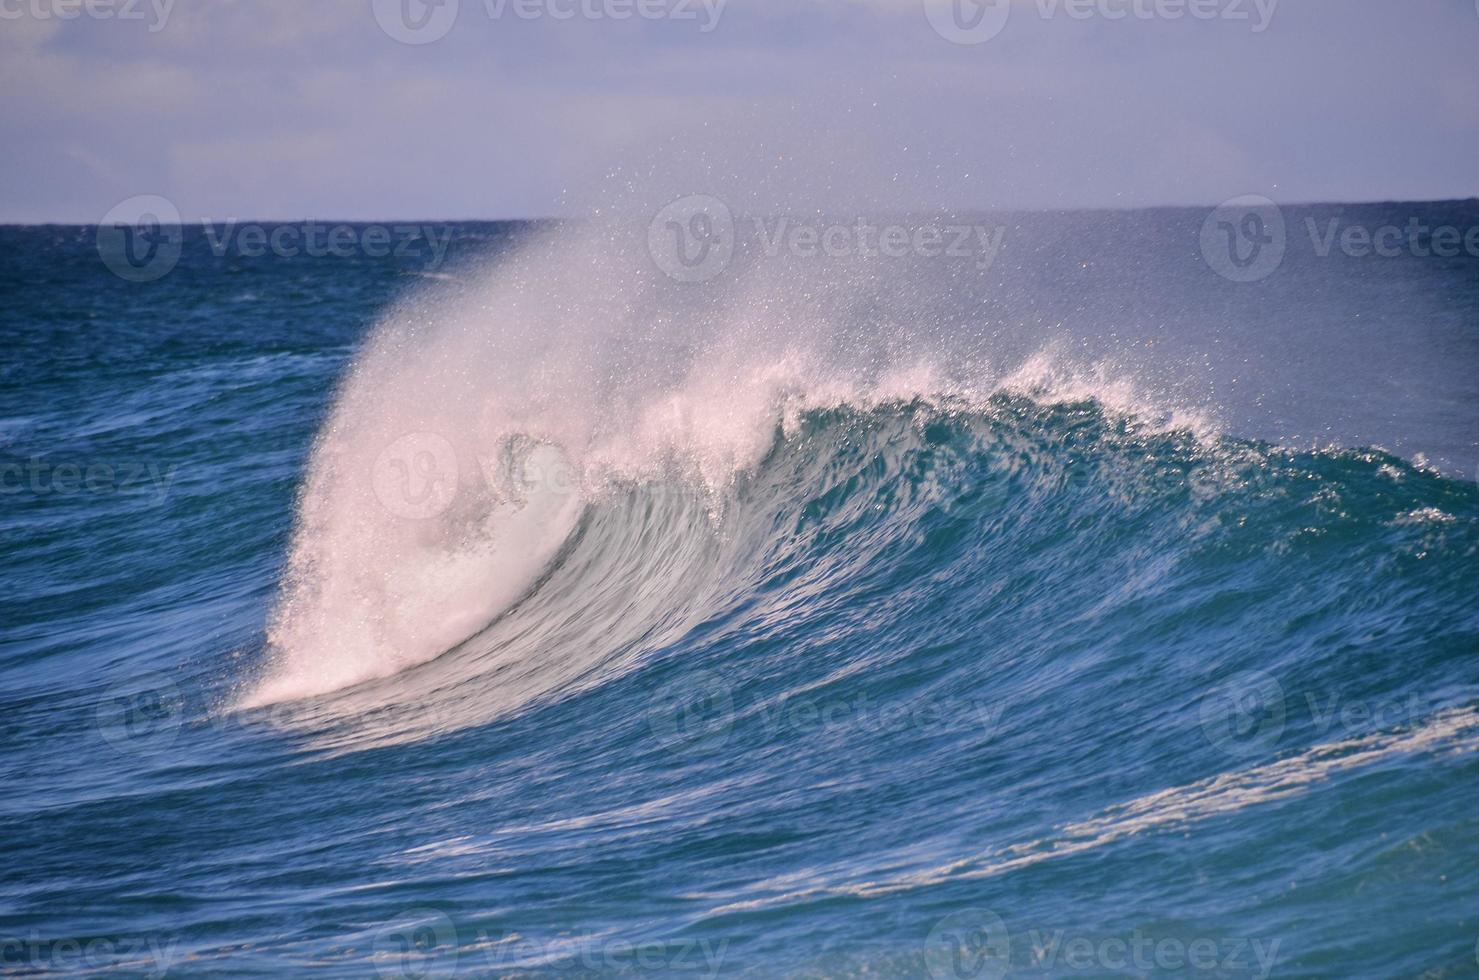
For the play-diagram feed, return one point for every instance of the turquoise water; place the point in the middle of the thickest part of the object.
(526, 613)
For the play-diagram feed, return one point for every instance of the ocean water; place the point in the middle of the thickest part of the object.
(523, 610)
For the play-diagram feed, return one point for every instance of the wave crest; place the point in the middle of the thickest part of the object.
(479, 423)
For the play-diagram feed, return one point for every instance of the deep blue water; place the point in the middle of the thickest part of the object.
(824, 656)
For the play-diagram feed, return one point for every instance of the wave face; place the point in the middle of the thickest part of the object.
(558, 618)
(1078, 532)
(475, 429)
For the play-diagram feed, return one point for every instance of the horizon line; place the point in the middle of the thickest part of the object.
(586, 217)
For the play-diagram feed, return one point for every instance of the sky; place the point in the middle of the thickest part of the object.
(396, 109)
